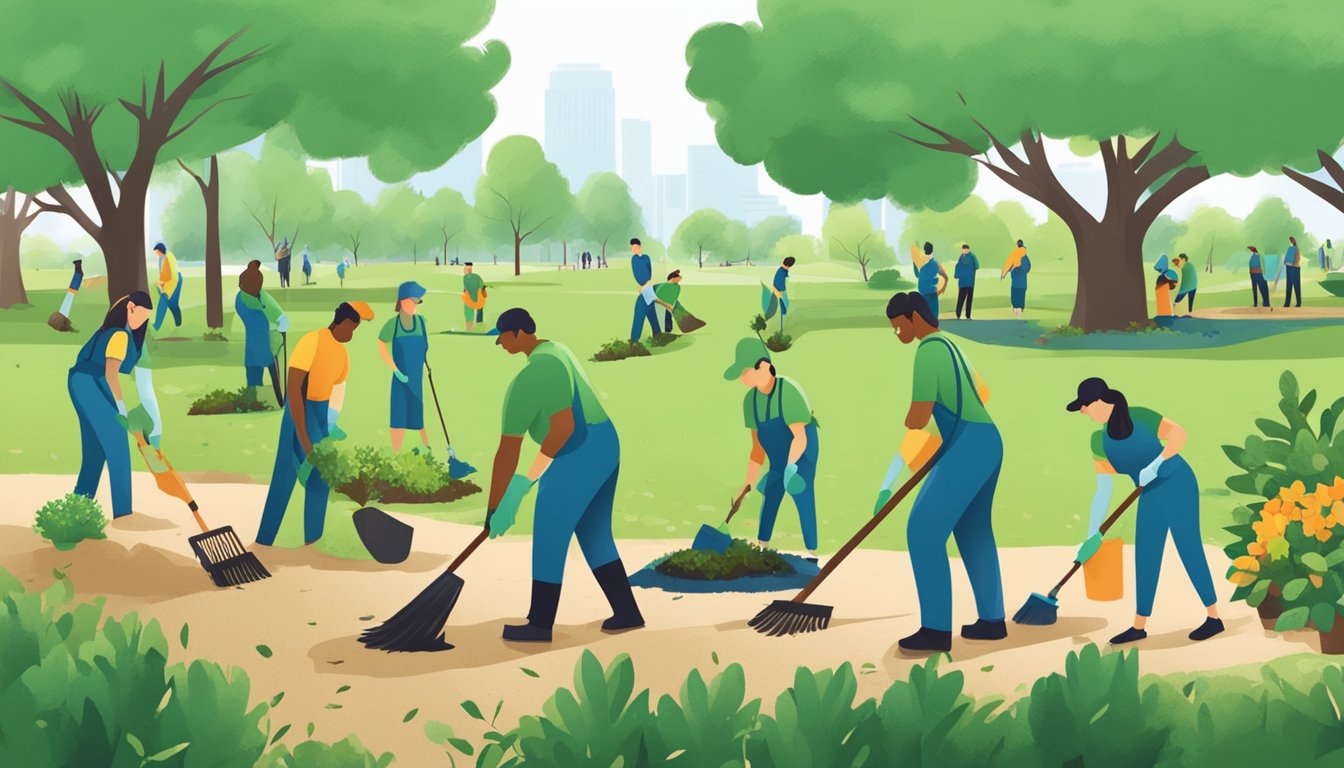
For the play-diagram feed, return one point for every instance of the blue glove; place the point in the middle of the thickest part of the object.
(403, 378)
(793, 483)
(333, 431)
(500, 520)
(761, 483)
(1149, 473)
(282, 325)
(156, 441)
(883, 496)
(1101, 500)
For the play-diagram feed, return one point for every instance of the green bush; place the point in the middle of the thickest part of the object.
(69, 520)
(779, 341)
(1065, 331)
(1290, 449)
(758, 324)
(214, 334)
(662, 339)
(348, 753)
(739, 560)
(887, 280)
(241, 400)
(620, 349)
(367, 473)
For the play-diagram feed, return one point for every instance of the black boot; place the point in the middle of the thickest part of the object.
(985, 630)
(616, 586)
(926, 641)
(540, 618)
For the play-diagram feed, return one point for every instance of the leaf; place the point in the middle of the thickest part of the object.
(1277, 548)
(438, 732)
(182, 636)
(1288, 386)
(463, 746)
(1323, 616)
(1316, 562)
(498, 708)
(1274, 429)
(529, 672)
(989, 668)
(1307, 403)
(163, 703)
(343, 689)
(135, 744)
(1294, 589)
(265, 651)
(366, 618)
(410, 715)
(1258, 593)
(1292, 619)
(714, 657)
(311, 727)
(275, 700)
(472, 710)
(280, 733)
(159, 757)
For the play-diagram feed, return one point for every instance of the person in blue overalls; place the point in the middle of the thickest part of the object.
(1145, 446)
(95, 391)
(576, 468)
(783, 430)
(645, 311)
(260, 314)
(1292, 268)
(930, 287)
(779, 286)
(307, 268)
(957, 498)
(408, 341)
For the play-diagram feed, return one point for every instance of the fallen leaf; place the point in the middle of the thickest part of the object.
(343, 689)
(265, 651)
(366, 618)
(529, 672)
(410, 715)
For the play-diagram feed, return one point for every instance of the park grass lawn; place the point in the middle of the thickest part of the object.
(680, 422)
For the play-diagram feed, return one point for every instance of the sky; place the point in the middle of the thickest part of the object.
(642, 43)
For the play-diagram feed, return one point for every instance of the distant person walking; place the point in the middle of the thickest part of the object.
(307, 268)
(1189, 282)
(967, 264)
(642, 270)
(282, 259)
(928, 273)
(170, 287)
(1259, 286)
(1017, 265)
(668, 294)
(1324, 253)
(1292, 266)
(473, 296)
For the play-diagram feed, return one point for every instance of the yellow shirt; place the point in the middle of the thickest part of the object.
(324, 359)
(168, 273)
(116, 345)
(1014, 259)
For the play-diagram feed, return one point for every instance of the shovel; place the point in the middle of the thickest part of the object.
(717, 539)
(769, 302)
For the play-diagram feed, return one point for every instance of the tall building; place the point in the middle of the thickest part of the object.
(580, 135)
(670, 207)
(757, 206)
(461, 173)
(637, 165)
(714, 180)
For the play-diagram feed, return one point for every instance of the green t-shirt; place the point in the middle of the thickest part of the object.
(546, 387)
(472, 284)
(1189, 277)
(935, 381)
(1144, 416)
(668, 292)
(787, 395)
(386, 335)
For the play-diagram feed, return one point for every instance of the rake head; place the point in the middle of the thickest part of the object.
(785, 617)
(223, 557)
(458, 469)
(1039, 610)
(419, 625)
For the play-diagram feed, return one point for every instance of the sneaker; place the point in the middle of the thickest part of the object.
(927, 641)
(1209, 628)
(1130, 635)
(526, 633)
(985, 630)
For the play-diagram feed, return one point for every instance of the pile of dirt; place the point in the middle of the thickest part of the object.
(739, 560)
(620, 350)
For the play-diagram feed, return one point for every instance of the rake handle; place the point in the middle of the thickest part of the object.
(868, 528)
(476, 542)
(737, 503)
(1105, 526)
(435, 394)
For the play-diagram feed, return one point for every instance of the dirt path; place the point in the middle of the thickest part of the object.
(314, 607)
(1274, 313)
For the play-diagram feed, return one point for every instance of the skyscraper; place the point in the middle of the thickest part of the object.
(581, 121)
(637, 165)
(714, 180)
(461, 173)
(670, 207)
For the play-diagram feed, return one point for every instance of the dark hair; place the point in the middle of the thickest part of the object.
(116, 316)
(343, 313)
(250, 279)
(635, 241)
(1019, 244)
(674, 273)
(789, 261)
(515, 320)
(756, 365)
(928, 248)
(468, 264)
(909, 305)
(161, 248)
(1182, 257)
(967, 246)
(1163, 278)
(1120, 425)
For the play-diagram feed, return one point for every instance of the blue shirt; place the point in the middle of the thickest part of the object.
(781, 278)
(1255, 262)
(928, 276)
(967, 264)
(1290, 258)
(642, 268)
(1017, 276)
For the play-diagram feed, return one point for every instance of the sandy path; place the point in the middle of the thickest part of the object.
(1275, 313)
(313, 608)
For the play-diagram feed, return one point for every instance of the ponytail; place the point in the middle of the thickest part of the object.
(116, 317)
(1121, 424)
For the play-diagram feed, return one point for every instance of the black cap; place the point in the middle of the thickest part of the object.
(511, 320)
(635, 241)
(1089, 391)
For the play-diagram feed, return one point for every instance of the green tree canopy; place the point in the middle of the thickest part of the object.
(849, 236)
(454, 219)
(972, 222)
(802, 248)
(701, 232)
(606, 210)
(764, 234)
(521, 195)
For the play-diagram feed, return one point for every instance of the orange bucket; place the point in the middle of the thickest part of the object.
(1104, 573)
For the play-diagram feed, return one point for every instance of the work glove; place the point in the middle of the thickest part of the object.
(334, 432)
(501, 519)
(156, 441)
(305, 471)
(883, 496)
(761, 483)
(121, 414)
(400, 376)
(1149, 473)
(282, 325)
(793, 482)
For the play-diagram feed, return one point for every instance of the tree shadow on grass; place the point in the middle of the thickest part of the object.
(1185, 333)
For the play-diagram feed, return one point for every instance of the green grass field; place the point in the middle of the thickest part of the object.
(684, 447)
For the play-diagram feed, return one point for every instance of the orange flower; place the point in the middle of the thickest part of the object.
(1316, 581)
(1246, 563)
(1256, 549)
(1337, 490)
(1323, 535)
(1321, 498)
(1271, 508)
(1293, 493)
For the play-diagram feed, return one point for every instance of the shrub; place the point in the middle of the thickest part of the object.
(347, 753)
(620, 349)
(242, 400)
(886, 280)
(1065, 331)
(69, 520)
(214, 334)
(1290, 450)
(600, 722)
(758, 324)
(779, 341)
(662, 339)
(739, 560)
(367, 473)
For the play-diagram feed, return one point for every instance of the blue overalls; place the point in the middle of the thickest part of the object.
(288, 457)
(575, 497)
(257, 353)
(957, 500)
(645, 311)
(170, 304)
(1169, 503)
(408, 353)
(928, 284)
(776, 438)
(102, 439)
(1017, 281)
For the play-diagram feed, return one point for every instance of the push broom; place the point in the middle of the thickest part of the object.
(1044, 609)
(790, 617)
(419, 625)
(220, 551)
(457, 469)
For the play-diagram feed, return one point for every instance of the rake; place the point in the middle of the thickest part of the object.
(418, 626)
(457, 469)
(791, 617)
(220, 551)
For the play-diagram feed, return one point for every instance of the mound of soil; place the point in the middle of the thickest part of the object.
(620, 350)
(389, 494)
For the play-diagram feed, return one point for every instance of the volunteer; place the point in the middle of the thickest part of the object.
(403, 344)
(263, 323)
(473, 296)
(668, 294)
(170, 287)
(967, 264)
(1018, 265)
(641, 268)
(932, 278)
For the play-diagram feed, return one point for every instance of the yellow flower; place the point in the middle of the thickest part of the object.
(1323, 535)
(1256, 549)
(1293, 493)
(1271, 508)
(1242, 578)
(1246, 563)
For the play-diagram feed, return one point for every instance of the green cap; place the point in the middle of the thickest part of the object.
(747, 354)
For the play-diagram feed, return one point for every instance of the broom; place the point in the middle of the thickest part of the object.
(457, 469)
(418, 626)
(220, 551)
(1044, 609)
(789, 617)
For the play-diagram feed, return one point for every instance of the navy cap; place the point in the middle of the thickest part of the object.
(512, 320)
(1089, 391)
(410, 290)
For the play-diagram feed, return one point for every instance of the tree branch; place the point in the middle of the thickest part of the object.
(66, 204)
(45, 124)
(1138, 158)
(1168, 159)
(1331, 167)
(200, 182)
(1317, 187)
(201, 114)
(1181, 182)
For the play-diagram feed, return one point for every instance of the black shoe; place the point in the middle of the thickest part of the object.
(985, 630)
(1128, 636)
(927, 641)
(1209, 628)
(540, 618)
(616, 586)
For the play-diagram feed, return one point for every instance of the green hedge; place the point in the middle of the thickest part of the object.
(69, 520)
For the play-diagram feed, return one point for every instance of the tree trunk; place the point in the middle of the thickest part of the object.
(122, 239)
(564, 253)
(700, 258)
(1111, 293)
(11, 276)
(863, 268)
(214, 275)
(517, 255)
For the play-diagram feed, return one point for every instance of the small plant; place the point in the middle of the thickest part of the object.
(220, 401)
(758, 324)
(1065, 331)
(886, 280)
(779, 341)
(214, 334)
(662, 339)
(1292, 449)
(1145, 326)
(620, 349)
(69, 520)
(739, 560)
(366, 473)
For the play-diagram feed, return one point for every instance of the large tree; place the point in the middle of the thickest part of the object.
(765, 233)
(453, 218)
(849, 236)
(105, 93)
(905, 99)
(702, 231)
(606, 209)
(521, 195)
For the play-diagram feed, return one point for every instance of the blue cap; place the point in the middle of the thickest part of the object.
(160, 247)
(1161, 265)
(515, 319)
(410, 290)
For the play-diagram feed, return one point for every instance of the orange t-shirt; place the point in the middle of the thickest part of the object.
(325, 360)
(1164, 300)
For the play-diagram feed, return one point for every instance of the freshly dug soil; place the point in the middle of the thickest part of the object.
(388, 494)
(738, 561)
